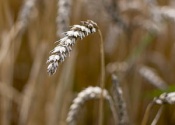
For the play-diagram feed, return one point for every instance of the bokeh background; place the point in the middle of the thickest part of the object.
(139, 47)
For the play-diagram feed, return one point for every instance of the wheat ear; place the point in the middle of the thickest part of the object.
(18, 28)
(119, 101)
(84, 96)
(25, 13)
(65, 44)
(150, 75)
(146, 72)
(165, 98)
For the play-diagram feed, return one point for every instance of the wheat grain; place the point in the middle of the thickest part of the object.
(64, 47)
(84, 96)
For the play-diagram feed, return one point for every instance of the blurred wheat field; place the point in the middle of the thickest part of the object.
(139, 53)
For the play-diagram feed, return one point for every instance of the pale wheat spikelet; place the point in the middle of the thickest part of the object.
(25, 13)
(64, 47)
(151, 2)
(168, 13)
(63, 16)
(18, 28)
(117, 67)
(119, 101)
(129, 7)
(159, 13)
(150, 75)
(165, 98)
(112, 8)
(84, 96)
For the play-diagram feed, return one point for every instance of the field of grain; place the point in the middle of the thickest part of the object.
(117, 67)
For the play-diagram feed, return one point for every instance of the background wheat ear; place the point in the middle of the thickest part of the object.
(120, 104)
(164, 98)
(150, 75)
(63, 16)
(65, 44)
(84, 96)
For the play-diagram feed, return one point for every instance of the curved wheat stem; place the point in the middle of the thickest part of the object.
(146, 115)
(102, 85)
(84, 96)
(64, 47)
(154, 122)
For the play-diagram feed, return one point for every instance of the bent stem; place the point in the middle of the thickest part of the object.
(146, 115)
(157, 116)
(102, 78)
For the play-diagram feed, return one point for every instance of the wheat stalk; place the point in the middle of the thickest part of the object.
(146, 114)
(11, 93)
(65, 44)
(154, 122)
(30, 89)
(8, 45)
(84, 96)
